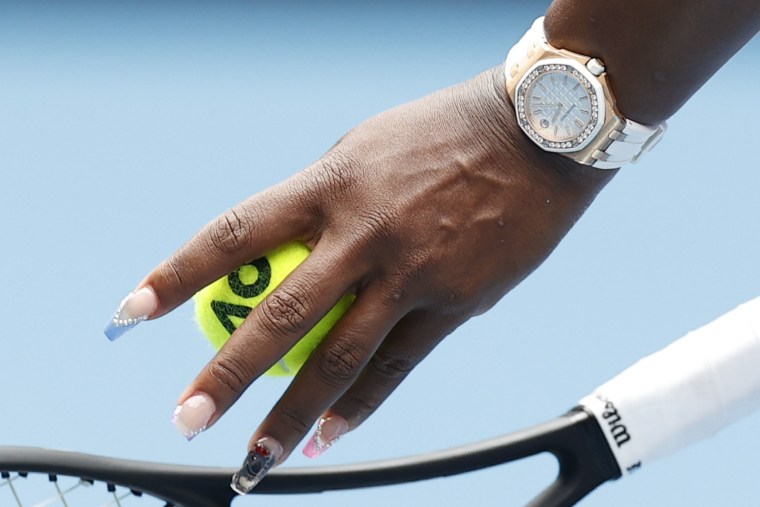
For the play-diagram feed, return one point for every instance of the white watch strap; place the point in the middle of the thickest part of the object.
(524, 48)
(626, 145)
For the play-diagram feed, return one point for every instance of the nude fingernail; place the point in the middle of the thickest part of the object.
(133, 309)
(257, 465)
(329, 430)
(193, 415)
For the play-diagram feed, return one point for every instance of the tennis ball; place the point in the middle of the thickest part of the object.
(222, 306)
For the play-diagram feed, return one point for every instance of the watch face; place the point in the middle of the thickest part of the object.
(558, 107)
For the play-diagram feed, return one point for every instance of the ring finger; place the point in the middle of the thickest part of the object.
(405, 347)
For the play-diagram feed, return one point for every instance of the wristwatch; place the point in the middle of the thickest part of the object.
(564, 104)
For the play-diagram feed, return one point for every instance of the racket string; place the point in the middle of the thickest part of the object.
(31, 490)
(8, 481)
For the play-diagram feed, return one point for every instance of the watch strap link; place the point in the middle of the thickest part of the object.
(627, 145)
(624, 145)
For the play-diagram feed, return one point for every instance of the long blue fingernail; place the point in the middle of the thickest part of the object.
(134, 308)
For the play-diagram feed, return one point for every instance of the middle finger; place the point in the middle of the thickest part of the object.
(327, 374)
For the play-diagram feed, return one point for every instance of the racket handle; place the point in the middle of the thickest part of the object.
(686, 392)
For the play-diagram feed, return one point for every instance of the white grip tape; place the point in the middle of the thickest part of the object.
(686, 392)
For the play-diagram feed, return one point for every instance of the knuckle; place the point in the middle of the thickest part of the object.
(453, 299)
(294, 421)
(339, 362)
(458, 299)
(336, 170)
(285, 310)
(378, 223)
(373, 229)
(360, 407)
(391, 367)
(475, 302)
(228, 233)
(171, 271)
(229, 372)
(485, 304)
(306, 199)
(410, 271)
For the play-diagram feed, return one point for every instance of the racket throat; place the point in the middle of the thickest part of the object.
(584, 457)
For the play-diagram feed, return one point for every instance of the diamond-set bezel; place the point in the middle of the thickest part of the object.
(588, 81)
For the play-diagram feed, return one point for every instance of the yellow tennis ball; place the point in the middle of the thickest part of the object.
(222, 306)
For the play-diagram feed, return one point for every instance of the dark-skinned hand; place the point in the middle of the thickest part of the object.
(429, 213)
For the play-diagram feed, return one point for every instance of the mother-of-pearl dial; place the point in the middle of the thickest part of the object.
(557, 106)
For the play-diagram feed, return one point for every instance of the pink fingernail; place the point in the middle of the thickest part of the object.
(134, 308)
(329, 430)
(192, 417)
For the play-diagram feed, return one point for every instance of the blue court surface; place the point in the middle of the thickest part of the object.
(126, 126)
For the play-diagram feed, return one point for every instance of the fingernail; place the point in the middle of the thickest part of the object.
(256, 466)
(134, 308)
(192, 417)
(329, 430)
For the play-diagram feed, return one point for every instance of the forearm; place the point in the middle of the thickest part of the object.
(657, 53)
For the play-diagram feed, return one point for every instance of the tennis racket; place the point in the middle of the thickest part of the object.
(679, 395)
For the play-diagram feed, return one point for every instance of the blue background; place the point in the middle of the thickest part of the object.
(124, 127)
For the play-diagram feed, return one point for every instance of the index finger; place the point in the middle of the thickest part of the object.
(262, 222)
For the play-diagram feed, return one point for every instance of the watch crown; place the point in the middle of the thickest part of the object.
(595, 66)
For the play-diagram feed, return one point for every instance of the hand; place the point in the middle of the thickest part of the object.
(556, 113)
(566, 113)
(429, 213)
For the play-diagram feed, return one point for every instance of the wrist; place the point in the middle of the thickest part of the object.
(498, 109)
(547, 83)
(642, 90)
(658, 54)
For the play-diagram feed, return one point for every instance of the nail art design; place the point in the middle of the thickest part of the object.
(256, 465)
(192, 417)
(329, 430)
(134, 308)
